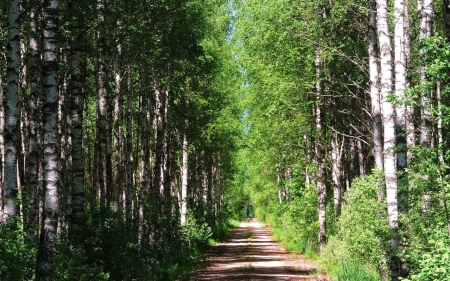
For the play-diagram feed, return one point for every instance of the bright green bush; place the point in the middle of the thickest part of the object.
(433, 259)
(362, 229)
(300, 219)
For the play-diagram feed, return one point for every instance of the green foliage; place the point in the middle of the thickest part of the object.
(300, 218)
(425, 227)
(349, 270)
(17, 260)
(362, 229)
(432, 258)
(195, 232)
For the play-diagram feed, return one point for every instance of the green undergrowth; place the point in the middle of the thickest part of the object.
(348, 270)
(291, 244)
(100, 253)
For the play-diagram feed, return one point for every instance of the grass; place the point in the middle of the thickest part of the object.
(293, 245)
(348, 270)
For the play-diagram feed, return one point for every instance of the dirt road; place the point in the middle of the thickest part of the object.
(250, 254)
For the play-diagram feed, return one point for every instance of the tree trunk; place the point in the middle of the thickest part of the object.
(184, 174)
(2, 145)
(10, 191)
(425, 10)
(76, 96)
(400, 81)
(336, 167)
(388, 113)
(158, 180)
(129, 151)
(117, 134)
(44, 265)
(103, 124)
(320, 156)
(32, 167)
(409, 108)
(375, 90)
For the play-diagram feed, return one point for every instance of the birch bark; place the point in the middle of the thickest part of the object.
(32, 167)
(400, 81)
(44, 267)
(388, 113)
(320, 156)
(10, 191)
(184, 175)
(425, 10)
(375, 89)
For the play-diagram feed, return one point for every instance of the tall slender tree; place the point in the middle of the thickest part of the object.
(44, 265)
(425, 10)
(10, 189)
(320, 153)
(388, 113)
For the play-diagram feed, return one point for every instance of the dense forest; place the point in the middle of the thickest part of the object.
(133, 132)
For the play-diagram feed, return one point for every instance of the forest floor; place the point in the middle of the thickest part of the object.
(251, 254)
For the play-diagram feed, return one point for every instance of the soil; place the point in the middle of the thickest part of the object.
(251, 254)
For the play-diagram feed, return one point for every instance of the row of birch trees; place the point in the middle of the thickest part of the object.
(117, 136)
(336, 90)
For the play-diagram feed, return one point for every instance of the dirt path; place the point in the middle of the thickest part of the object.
(250, 254)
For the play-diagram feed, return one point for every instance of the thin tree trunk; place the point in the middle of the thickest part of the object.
(400, 81)
(425, 10)
(76, 96)
(117, 134)
(184, 174)
(44, 266)
(10, 191)
(375, 90)
(409, 108)
(145, 163)
(320, 156)
(103, 124)
(32, 166)
(388, 113)
(336, 167)
(2, 145)
(129, 151)
(158, 182)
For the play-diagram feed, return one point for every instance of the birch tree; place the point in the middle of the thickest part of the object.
(388, 113)
(10, 191)
(320, 155)
(44, 266)
(425, 10)
(76, 100)
(401, 53)
(184, 175)
(32, 165)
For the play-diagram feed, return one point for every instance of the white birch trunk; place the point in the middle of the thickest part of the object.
(129, 151)
(336, 168)
(76, 97)
(320, 157)
(145, 165)
(425, 10)
(375, 90)
(400, 81)
(117, 134)
(184, 176)
(388, 113)
(44, 267)
(10, 191)
(409, 108)
(32, 166)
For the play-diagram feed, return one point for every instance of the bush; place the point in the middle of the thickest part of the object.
(18, 258)
(362, 229)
